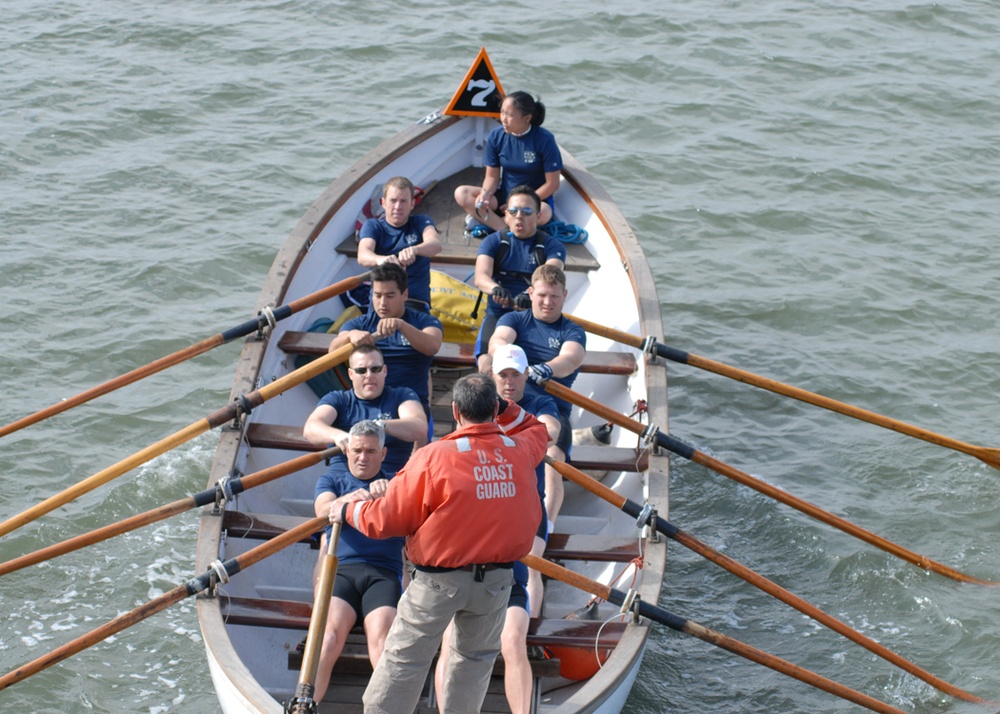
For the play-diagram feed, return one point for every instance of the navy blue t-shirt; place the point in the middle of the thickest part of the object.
(390, 240)
(541, 341)
(514, 271)
(539, 405)
(351, 409)
(407, 366)
(522, 159)
(352, 546)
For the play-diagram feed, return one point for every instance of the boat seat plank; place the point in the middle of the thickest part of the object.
(560, 546)
(452, 355)
(261, 526)
(586, 457)
(354, 660)
(569, 546)
(578, 259)
(294, 615)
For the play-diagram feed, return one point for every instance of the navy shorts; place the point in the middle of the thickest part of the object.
(486, 331)
(565, 440)
(366, 588)
(519, 591)
(543, 529)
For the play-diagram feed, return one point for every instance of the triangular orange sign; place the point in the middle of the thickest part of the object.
(480, 93)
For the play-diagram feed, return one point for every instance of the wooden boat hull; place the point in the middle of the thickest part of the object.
(611, 284)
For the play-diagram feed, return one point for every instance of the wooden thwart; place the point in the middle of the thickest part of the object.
(354, 660)
(294, 615)
(456, 355)
(561, 546)
(578, 259)
(586, 457)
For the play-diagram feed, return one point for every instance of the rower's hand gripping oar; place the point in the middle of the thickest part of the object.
(303, 702)
(225, 490)
(645, 515)
(987, 455)
(267, 318)
(676, 622)
(219, 572)
(242, 405)
(651, 433)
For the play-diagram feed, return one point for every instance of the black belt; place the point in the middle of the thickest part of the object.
(478, 568)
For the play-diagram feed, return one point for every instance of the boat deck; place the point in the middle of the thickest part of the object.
(460, 248)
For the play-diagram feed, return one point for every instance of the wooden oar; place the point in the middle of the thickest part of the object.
(235, 487)
(303, 702)
(676, 622)
(759, 581)
(242, 330)
(987, 455)
(217, 418)
(689, 452)
(192, 587)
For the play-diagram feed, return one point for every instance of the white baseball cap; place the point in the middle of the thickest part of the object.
(509, 357)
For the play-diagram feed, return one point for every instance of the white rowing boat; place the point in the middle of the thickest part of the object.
(252, 624)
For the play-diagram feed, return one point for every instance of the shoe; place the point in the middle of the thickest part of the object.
(475, 229)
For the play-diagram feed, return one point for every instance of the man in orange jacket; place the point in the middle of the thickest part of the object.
(468, 506)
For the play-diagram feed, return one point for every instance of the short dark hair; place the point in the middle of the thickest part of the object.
(527, 104)
(390, 273)
(475, 395)
(524, 190)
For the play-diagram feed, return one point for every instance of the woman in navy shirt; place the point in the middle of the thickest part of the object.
(517, 152)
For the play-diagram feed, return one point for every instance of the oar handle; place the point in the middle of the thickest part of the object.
(611, 333)
(300, 704)
(302, 374)
(341, 286)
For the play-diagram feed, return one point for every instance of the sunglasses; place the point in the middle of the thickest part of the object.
(364, 370)
(523, 210)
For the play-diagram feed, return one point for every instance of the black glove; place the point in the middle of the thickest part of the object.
(501, 295)
(522, 301)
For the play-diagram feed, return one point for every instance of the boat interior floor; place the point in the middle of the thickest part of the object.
(459, 248)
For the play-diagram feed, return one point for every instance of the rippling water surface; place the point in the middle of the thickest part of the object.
(816, 187)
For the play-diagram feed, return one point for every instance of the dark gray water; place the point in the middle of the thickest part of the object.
(815, 185)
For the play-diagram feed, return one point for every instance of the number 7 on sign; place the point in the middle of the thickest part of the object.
(479, 98)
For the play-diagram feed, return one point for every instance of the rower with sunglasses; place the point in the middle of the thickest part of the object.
(506, 260)
(396, 409)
